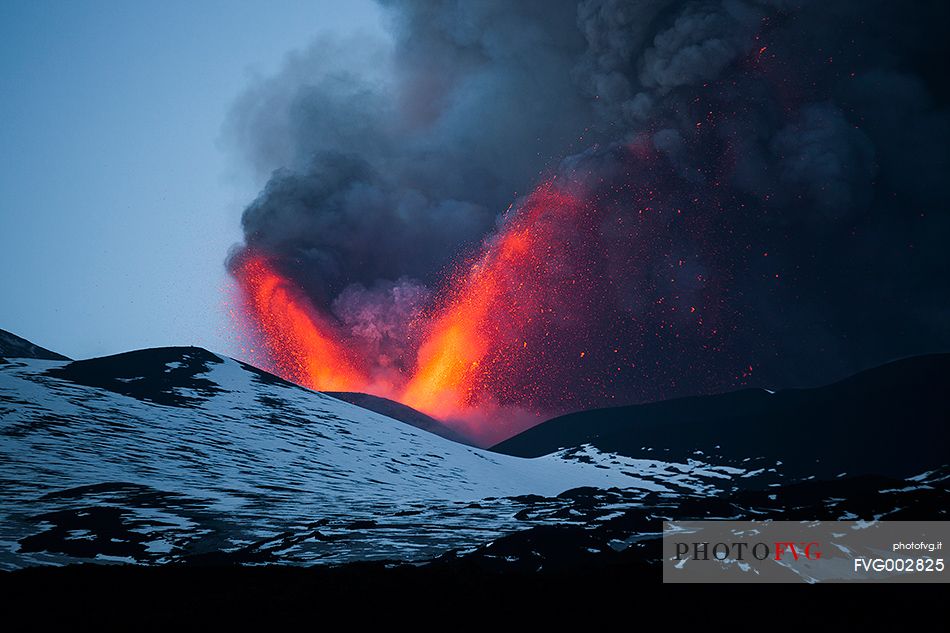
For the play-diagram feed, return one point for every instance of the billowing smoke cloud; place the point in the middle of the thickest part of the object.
(777, 166)
(377, 320)
(825, 158)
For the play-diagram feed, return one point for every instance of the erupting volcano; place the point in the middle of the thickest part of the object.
(483, 347)
(491, 325)
(712, 183)
(533, 324)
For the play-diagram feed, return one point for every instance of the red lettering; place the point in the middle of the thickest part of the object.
(783, 546)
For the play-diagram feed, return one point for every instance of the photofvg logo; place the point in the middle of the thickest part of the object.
(740, 550)
(810, 551)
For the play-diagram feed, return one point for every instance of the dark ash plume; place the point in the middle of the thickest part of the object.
(807, 143)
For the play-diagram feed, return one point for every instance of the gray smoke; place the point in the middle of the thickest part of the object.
(378, 321)
(802, 129)
(391, 156)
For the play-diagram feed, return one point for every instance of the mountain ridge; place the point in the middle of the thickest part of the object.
(177, 454)
(13, 346)
(897, 414)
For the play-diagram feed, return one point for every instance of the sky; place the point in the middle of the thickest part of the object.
(120, 198)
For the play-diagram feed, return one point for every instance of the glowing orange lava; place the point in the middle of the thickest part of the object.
(481, 352)
(303, 346)
(478, 336)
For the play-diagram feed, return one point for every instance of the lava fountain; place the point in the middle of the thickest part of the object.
(480, 348)
(301, 345)
(488, 329)
(584, 292)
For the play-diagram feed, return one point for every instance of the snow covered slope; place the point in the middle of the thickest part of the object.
(177, 454)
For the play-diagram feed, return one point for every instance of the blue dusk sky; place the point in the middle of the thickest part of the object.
(120, 198)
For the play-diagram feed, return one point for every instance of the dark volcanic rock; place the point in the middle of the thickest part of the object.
(632, 536)
(892, 420)
(398, 411)
(154, 375)
(12, 346)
